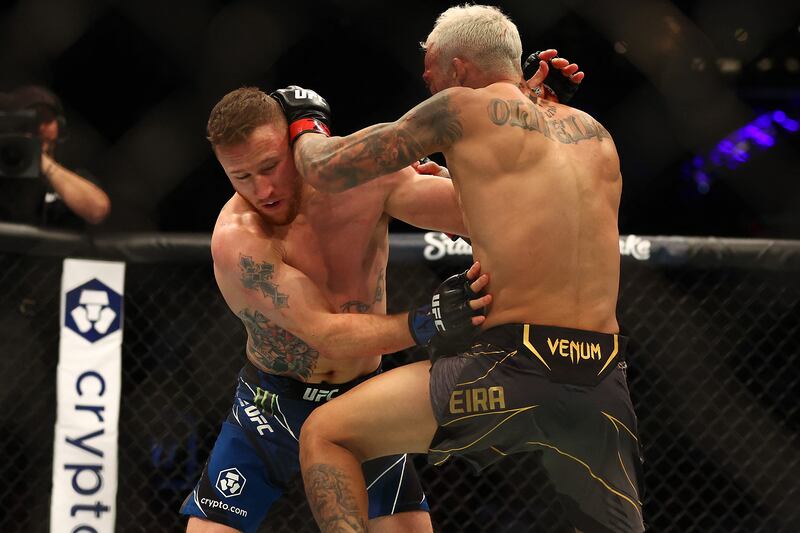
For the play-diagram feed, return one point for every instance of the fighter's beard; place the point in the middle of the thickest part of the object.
(293, 208)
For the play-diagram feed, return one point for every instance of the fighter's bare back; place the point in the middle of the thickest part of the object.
(559, 264)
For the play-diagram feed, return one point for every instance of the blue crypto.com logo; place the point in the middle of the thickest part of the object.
(93, 310)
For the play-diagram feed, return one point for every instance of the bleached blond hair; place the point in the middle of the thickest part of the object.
(481, 34)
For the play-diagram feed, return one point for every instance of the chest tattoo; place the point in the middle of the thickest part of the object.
(379, 286)
(357, 306)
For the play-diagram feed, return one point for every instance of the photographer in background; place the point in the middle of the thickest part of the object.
(47, 193)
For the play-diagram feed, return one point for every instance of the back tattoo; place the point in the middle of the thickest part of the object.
(526, 115)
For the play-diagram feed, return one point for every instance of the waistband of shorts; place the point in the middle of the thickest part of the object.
(564, 355)
(290, 388)
(512, 336)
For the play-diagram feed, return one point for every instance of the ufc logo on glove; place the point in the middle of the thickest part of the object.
(437, 313)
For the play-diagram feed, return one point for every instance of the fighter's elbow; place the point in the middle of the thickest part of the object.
(333, 349)
(321, 338)
(325, 182)
(316, 158)
(324, 174)
(336, 339)
(99, 211)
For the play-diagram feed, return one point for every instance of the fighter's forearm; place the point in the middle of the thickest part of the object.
(348, 336)
(339, 163)
(80, 195)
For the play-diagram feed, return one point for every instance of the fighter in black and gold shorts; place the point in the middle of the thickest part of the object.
(558, 391)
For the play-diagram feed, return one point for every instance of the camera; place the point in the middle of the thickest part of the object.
(20, 149)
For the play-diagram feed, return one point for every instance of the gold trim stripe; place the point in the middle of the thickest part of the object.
(446, 457)
(526, 332)
(489, 413)
(498, 451)
(615, 421)
(509, 417)
(473, 354)
(625, 471)
(613, 354)
(591, 473)
(511, 354)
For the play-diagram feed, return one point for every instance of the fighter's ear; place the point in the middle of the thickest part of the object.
(459, 70)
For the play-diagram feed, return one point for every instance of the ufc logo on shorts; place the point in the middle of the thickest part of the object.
(316, 395)
(255, 415)
(437, 313)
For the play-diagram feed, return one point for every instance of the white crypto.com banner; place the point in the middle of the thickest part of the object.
(89, 384)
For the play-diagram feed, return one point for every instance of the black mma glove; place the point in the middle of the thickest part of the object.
(555, 82)
(447, 322)
(305, 110)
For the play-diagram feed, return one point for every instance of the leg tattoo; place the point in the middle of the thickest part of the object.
(332, 502)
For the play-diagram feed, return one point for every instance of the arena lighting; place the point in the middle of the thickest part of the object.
(780, 118)
(729, 65)
(764, 64)
(737, 147)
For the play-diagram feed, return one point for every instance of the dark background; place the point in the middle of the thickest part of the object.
(679, 84)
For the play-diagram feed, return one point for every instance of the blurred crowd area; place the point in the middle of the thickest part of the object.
(702, 97)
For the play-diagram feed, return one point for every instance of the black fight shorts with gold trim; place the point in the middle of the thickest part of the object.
(559, 392)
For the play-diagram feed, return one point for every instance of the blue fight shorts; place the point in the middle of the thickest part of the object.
(256, 455)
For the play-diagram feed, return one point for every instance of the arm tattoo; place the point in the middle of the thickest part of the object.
(259, 276)
(438, 119)
(332, 502)
(569, 130)
(350, 161)
(277, 350)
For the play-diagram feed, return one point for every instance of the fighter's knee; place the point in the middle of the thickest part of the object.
(315, 427)
(314, 433)
(201, 525)
(404, 522)
(323, 430)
